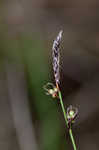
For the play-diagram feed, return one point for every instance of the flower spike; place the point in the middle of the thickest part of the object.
(56, 56)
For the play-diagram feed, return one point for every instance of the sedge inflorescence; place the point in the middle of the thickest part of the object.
(56, 56)
(71, 112)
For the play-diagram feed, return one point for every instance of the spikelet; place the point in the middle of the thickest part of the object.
(56, 56)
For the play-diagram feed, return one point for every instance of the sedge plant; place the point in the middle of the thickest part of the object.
(54, 90)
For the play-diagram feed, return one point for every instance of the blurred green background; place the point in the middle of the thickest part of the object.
(29, 119)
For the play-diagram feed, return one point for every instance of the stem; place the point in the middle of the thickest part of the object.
(65, 117)
(72, 139)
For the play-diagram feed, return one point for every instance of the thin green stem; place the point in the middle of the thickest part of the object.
(65, 117)
(72, 139)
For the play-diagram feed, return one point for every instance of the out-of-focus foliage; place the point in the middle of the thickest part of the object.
(36, 61)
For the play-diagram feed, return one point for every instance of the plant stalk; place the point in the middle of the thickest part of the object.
(65, 117)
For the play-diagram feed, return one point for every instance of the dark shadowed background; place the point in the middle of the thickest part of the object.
(29, 119)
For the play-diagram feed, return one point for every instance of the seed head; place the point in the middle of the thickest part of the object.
(56, 56)
(71, 113)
